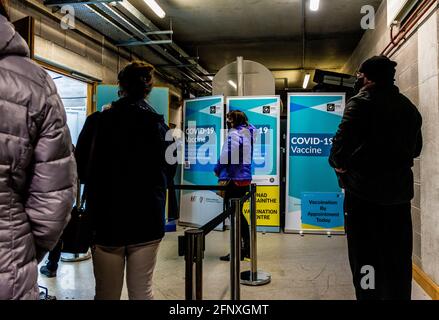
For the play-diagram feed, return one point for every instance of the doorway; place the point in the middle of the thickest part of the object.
(74, 96)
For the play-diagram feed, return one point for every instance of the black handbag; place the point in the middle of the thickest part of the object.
(79, 233)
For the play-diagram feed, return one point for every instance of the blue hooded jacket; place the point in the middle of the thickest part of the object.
(236, 160)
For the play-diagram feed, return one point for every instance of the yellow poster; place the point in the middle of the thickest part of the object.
(267, 206)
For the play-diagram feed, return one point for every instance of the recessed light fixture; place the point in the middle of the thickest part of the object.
(314, 5)
(306, 80)
(156, 8)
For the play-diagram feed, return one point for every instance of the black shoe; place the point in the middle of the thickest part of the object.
(225, 258)
(244, 257)
(47, 272)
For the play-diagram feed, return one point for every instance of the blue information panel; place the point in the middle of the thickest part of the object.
(264, 114)
(203, 133)
(313, 120)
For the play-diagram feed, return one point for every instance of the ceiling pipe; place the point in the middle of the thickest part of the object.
(108, 10)
(397, 40)
(117, 20)
(415, 13)
(104, 8)
(128, 9)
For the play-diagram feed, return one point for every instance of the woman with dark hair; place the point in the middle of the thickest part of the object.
(37, 167)
(235, 168)
(121, 160)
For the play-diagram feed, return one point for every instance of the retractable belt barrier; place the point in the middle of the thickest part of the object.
(192, 247)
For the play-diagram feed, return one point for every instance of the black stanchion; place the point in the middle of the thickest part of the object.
(254, 277)
(192, 247)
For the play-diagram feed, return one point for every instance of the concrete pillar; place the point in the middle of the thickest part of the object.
(429, 107)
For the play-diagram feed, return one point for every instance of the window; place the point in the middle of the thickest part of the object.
(73, 94)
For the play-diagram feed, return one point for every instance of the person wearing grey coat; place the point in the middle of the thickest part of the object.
(37, 167)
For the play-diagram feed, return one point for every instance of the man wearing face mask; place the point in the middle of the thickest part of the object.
(373, 153)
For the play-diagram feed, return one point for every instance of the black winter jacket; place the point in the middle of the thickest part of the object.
(377, 141)
(126, 185)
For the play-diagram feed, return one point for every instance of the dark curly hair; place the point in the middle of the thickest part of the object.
(237, 118)
(4, 8)
(136, 80)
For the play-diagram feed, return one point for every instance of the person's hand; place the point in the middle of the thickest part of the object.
(340, 170)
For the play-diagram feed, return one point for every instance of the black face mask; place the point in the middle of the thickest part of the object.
(359, 84)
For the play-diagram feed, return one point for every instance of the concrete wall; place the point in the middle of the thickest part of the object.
(417, 78)
(428, 103)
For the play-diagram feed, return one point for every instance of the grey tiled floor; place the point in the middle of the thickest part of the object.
(309, 267)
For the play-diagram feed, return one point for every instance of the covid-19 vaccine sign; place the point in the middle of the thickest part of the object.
(314, 198)
(263, 112)
(203, 137)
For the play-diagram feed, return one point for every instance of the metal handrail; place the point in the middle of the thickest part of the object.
(192, 246)
(211, 225)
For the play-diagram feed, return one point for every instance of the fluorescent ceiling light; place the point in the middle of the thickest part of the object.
(314, 5)
(156, 8)
(233, 84)
(210, 77)
(306, 80)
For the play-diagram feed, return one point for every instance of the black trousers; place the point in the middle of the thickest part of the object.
(381, 237)
(54, 257)
(235, 192)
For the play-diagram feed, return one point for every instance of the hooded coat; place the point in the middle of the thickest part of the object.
(37, 167)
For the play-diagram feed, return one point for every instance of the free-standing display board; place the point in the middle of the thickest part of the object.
(314, 198)
(264, 113)
(203, 131)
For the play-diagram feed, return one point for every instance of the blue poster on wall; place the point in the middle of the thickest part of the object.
(158, 98)
(264, 114)
(314, 198)
(203, 132)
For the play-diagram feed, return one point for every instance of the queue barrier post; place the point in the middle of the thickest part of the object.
(254, 277)
(235, 254)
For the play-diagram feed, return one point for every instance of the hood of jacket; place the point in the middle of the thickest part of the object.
(11, 43)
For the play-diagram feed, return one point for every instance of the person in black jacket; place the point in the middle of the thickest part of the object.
(373, 154)
(121, 159)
